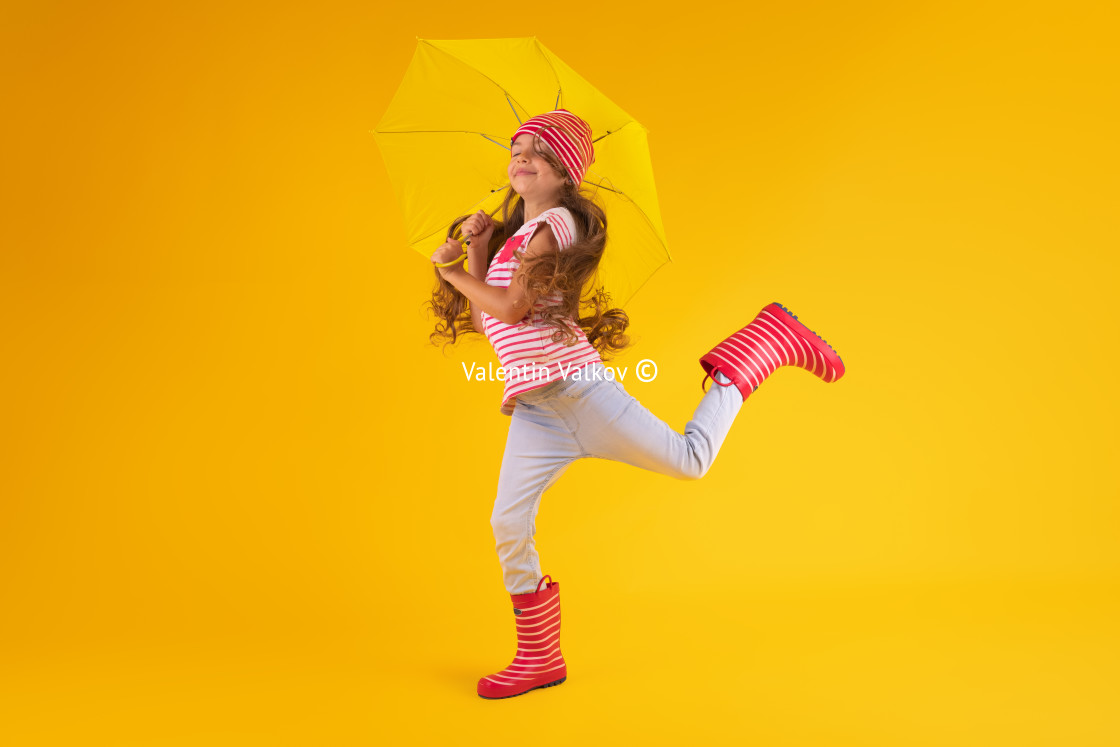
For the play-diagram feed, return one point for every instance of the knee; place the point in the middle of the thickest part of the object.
(505, 527)
(696, 461)
(692, 470)
(693, 465)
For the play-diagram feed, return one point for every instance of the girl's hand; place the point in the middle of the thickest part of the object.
(480, 226)
(448, 251)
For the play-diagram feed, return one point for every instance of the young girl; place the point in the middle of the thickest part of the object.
(523, 291)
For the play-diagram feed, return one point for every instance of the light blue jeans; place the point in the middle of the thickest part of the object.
(571, 419)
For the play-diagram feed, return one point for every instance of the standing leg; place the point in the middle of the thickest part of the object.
(539, 449)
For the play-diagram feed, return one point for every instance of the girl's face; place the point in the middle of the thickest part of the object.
(530, 175)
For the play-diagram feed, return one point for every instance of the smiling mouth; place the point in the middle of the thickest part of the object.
(523, 173)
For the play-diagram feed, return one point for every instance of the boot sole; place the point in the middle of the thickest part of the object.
(531, 689)
(810, 336)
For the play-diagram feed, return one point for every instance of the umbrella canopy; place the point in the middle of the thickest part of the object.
(446, 135)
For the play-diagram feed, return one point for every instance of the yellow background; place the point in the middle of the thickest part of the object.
(244, 501)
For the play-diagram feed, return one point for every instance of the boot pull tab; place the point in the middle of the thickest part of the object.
(541, 582)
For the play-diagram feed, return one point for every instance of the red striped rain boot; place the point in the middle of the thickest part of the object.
(538, 662)
(775, 338)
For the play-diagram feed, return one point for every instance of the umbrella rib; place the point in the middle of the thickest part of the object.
(645, 216)
(559, 88)
(438, 231)
(495, 142)
(634, 291)
(652, 227)
(611, 132)
(600, 185)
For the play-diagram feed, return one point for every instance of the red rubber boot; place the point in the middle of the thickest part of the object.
(538, 662)
(775, 338)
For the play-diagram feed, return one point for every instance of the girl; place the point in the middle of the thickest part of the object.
(523, 291)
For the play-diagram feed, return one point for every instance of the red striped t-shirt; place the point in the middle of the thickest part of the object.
(526, 352)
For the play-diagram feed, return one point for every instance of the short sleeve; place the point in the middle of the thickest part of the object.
(563, 226)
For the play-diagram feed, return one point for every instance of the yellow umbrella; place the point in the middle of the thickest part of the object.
(445, 131)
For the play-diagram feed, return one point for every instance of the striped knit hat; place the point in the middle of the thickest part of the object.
(567, 135)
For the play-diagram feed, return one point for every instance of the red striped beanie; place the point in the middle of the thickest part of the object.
(567, 135)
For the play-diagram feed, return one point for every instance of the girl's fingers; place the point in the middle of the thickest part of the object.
(477, 224)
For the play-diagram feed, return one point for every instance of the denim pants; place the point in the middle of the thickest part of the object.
(571, 419)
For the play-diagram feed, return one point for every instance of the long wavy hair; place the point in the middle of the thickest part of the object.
(566, 279)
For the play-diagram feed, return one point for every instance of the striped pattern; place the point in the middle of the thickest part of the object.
(526, 350)
(539, 661)
(775, 338)
(567, 135)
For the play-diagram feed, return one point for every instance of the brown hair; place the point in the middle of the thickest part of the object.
(569, 274)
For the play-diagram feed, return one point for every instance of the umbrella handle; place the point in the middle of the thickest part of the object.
(455, 261)
(458, 259)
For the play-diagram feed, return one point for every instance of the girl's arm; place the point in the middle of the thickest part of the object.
(507, 305)
(481, 227)
(476, 260)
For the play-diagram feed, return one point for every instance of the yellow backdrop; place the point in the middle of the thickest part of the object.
(245, 502)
